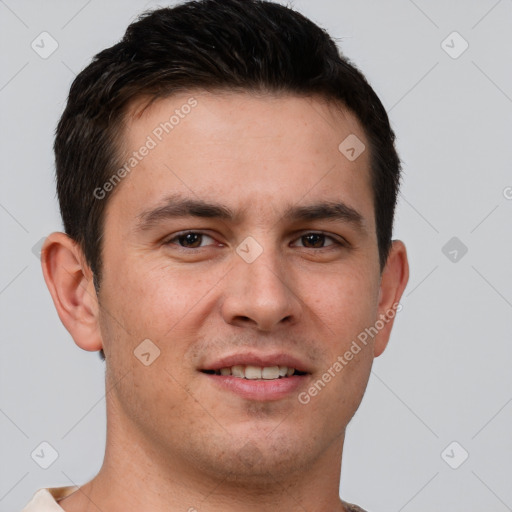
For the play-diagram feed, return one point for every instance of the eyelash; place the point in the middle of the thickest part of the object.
(335, 242)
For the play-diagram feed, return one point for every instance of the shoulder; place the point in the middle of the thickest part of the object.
(353, 508)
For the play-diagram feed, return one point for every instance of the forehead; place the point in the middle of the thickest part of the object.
(247, 150)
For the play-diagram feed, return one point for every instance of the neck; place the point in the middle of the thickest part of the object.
(136, 475)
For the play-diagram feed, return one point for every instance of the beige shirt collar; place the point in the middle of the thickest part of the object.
(45, 500)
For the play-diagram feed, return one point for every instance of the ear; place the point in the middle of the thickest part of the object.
(69, 280)
(393, 282)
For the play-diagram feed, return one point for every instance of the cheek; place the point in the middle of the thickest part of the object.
(346, 303)
(347, 306)
(151, 299)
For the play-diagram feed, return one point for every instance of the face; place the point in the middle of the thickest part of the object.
(242, 239)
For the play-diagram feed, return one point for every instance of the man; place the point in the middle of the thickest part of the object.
(227, 183)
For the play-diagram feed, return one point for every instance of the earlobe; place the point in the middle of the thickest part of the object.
(393, 282)
(69, 280)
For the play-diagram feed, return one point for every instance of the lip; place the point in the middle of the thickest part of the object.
(258, 359)
(260, 390)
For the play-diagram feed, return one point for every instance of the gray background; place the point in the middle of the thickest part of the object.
(446, 374)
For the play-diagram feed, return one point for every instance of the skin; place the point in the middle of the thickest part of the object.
(175, 441)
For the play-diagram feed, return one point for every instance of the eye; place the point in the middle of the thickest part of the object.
(190, 240)
(318, 240)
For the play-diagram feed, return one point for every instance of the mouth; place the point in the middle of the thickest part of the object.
(257, 377)
(251, 372)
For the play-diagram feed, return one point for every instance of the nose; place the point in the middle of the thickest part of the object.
(260, 295)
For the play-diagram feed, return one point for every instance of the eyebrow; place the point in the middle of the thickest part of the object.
(178, 207)
(326, 210)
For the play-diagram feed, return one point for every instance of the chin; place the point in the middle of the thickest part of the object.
(261, 458)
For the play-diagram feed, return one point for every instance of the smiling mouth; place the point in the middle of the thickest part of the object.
(250, 372)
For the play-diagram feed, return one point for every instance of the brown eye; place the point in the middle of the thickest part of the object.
(317, 241)
(191, 240)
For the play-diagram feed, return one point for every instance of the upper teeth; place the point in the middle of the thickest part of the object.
(257, 372)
